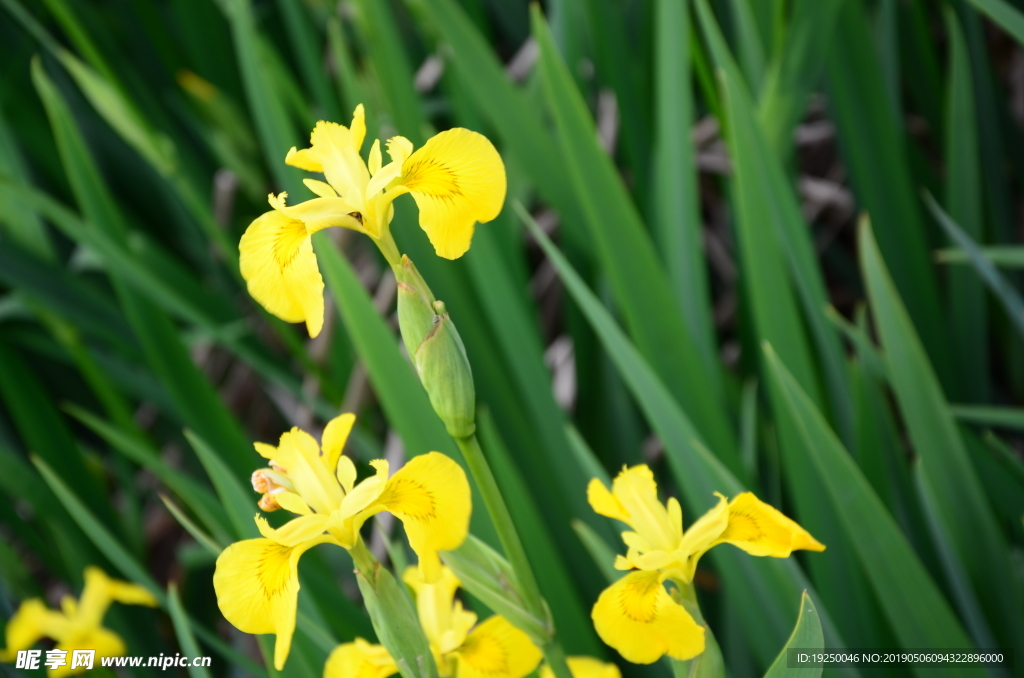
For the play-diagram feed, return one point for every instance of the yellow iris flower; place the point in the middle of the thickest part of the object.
(636, 615)
(462, 648)
(457, 179)
(79, 624)
(257, 580)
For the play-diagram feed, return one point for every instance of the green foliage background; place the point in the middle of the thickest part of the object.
(135, 371)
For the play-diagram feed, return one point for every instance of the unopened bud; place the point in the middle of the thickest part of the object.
(415, 316)
(268, 503)
(444, 370)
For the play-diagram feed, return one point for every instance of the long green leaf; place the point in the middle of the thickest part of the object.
(627, 253)
(1004, 14)
(963, 510)
(917, 612)
(238, 503)
(183, 629)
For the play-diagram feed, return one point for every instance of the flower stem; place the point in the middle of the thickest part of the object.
(513, 547)
(387, 246)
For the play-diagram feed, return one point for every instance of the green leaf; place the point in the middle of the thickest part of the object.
(806, 635)
(183, 629)
(1007, 256)
(917, 612)
(237, 502)
(876, 157)
(997, 282)
(963, 510)
(998, 417)
(1005, 15)
(627, 254)
(203, 539)
(675, 212)
(964, 202)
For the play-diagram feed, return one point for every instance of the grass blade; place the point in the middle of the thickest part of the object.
(806, 634)
(183, 630)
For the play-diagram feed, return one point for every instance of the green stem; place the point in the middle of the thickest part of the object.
(364, 561)
(387, 246)
(513, 547)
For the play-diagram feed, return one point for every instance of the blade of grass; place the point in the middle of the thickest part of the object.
(964, 204)
(806, 635)
(627, 254)
(964, 512)
(1007, 256)
(238, 503)
(203, 539)
(917, 612)
(675, 214)
(183, 630)
(1004, 14)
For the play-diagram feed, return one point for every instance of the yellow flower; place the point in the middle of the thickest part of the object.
(585, 667)
(636, 615)
(462, 648)
(256, 580)
(79, 624)
(457, 179)
(657, 540)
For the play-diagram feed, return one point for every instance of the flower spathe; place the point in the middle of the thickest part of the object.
(636, 615)
(456, 179)
(256, 580)
(461, 647)
(78, 625)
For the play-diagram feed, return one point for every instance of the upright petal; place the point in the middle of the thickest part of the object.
(702, 535)
(637, 491)
(434, 602)
(638, 617)
(457, 179)
(299, 455)
(585, 667)
(430, 495)
(31, 622)
(277, 262)
(257, 587)
(335, 147)
(762, 530)
(359, 660)
(334, 438)
(604, 502)
(496, 649)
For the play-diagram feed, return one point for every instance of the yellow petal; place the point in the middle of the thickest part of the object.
(100, 590)
(638, 494)
(290, 501)
(399, 149)
(430, 495)
(638, 617)
(32, 621)
(703, 534)
(346, 473)
(334, 438)
(373, 161)
(761, 530)
(320, 188)
(604, 502)
(335, 147)
(496, 649)
(434, 603)
(365, 494)
(457, 179)
(104, 641)
(303, 159)
(358, 127)
(277, 262)
(585, 667)
(257, 586)
(299, 456)
(359, 660)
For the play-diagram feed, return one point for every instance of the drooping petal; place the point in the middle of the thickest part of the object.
(105, 642)
(585, 667)
(31, 622)
(434, 603)
(637, 492)
(604, 502)
(638, 617)
(279, 267)
(496, 649)
(100, 590)
(762, 530)
(334, 438)
(257, 586)
(325, 212)
(457, 179)
(359, 660)
(304, 159)
(430, 495)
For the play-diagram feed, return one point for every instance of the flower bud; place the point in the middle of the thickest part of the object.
(444, 370)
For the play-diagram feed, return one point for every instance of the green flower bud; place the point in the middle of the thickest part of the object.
(444, 370)
(415, 316)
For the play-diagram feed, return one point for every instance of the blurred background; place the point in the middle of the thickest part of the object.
(703, 166)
